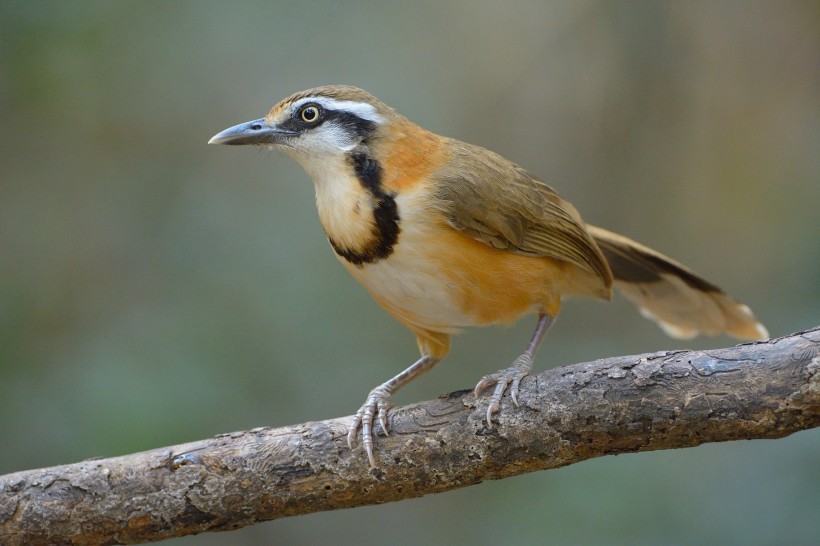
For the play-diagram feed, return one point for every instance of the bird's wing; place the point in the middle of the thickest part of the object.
(500, 204)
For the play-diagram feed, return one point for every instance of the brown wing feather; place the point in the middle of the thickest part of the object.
(500, 204)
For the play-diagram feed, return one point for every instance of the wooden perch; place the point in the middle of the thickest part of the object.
(616, 405)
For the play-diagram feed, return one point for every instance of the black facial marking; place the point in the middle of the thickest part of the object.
(349, 122)
(352, 123)
(385, 214)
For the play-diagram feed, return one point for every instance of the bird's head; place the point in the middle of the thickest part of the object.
(318, 125)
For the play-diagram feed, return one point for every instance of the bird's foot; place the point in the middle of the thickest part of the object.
(376, 406)
(504, 379)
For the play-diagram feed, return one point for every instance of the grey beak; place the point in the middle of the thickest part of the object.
(251, 132)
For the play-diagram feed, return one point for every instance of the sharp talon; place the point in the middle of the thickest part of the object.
(354, 427)
(485, 382)
(371, 415)
(514, 390)
(480, 386)
(505, 381)
(367, 439)
(383, 422)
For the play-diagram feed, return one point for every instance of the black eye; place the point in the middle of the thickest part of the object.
(309, 113)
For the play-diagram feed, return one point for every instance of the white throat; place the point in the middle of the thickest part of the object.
(345, 210)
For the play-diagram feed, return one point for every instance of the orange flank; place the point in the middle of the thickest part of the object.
(494, 286)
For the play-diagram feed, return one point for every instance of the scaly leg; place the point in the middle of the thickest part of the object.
(513, 375)
(378, 403)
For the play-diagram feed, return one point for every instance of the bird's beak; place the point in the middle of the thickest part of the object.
(251, 132)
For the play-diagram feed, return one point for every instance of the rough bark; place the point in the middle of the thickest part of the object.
(624, 404)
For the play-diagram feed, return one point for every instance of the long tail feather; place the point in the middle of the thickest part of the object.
(681, 302)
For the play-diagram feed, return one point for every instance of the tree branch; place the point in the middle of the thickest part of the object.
(632, 403)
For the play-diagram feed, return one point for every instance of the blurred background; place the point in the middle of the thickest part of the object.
(156, 290)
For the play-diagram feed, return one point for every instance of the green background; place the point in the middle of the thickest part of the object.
(156, 290)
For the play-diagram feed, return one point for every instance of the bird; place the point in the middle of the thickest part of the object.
(447, 235)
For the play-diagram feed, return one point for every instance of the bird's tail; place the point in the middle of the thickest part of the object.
(682, 303)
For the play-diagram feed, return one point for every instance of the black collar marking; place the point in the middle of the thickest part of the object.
(386, 215)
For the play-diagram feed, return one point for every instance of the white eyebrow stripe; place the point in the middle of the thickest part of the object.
(362, 109)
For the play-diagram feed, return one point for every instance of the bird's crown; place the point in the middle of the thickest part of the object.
(335, 97)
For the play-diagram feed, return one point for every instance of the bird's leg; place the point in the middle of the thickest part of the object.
(378, 403)
(512, 376)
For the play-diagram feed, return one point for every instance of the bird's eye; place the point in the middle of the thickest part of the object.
(310, 113)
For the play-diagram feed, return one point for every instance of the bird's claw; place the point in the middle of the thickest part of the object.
(376, 406)
(507, 379)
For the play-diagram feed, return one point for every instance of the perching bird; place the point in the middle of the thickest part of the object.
(445, 234)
